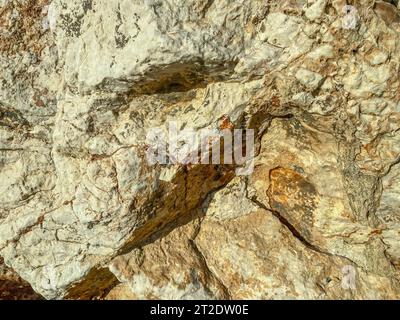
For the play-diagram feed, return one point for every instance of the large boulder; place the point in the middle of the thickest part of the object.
(84, 82)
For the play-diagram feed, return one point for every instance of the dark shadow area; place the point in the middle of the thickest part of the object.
(17, 290)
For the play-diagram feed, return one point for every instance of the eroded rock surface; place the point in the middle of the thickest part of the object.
(82, 210)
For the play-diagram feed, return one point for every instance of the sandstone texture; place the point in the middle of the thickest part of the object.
(84, 215)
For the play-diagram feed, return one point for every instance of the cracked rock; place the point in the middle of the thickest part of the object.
(85, 215)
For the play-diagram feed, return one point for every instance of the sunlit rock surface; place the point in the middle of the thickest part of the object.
(84, 215)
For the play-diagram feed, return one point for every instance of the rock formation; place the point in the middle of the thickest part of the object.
(85, 215)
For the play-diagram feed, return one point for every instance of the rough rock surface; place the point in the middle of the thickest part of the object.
(84, 215)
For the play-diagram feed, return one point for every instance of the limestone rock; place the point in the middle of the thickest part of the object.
(83, 211)
(250, 256)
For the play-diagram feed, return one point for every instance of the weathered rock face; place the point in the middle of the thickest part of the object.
(250, 256)
(83, 212)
